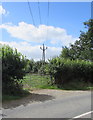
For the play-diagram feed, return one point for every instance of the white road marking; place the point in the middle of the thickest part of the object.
(83, 114)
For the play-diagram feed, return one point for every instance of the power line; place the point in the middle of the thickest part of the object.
(31, 12)
(48, 13)
(47, 19)
(39, 12)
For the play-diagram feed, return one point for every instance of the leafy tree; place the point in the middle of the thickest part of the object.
(82, 48)
(13, 70)
(43, 68)
(35, 65)
(65, 52)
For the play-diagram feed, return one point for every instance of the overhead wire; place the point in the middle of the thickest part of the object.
(31, 13)
(39, 12)
(48, 13)
(47, 19)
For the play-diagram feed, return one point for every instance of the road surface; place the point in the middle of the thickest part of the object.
(52, 104)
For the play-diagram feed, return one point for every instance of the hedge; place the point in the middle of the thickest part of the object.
(66, 70)
(13, 70)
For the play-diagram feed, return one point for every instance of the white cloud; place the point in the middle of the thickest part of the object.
(31, 33)
(2, 10)
(33, 52)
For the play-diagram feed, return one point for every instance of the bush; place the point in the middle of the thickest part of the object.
(66, 70)
(13, 70)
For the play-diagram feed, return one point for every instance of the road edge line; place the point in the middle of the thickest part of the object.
(83, 114)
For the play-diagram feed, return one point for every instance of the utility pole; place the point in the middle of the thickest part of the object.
(43, 56)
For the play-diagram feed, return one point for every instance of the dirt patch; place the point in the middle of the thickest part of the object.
(33, 97)
(40, 96)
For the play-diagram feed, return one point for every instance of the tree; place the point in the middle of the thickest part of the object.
(65, 52)
(82, 48)
(35, 66)
(13, 70)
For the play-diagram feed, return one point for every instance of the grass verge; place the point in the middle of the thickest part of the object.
(12, 97)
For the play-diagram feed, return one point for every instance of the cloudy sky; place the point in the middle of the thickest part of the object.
(26, 26)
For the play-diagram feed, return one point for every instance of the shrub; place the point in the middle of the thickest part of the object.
(66, 70)
(13, 70)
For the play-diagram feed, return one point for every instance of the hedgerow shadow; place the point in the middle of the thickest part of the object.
(32, 97)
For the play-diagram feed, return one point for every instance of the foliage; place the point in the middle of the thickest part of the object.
(36, 67)
(33, 66)
(36, 81)
(77, 85)
(65, 53)
(82, 48)
(43, 70)
(24, 93)
(28, 68)
(66, 70)
(13, 70)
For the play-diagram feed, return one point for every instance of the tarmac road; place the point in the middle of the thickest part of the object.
(67, 105)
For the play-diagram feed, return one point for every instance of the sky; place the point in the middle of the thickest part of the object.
(60, 25)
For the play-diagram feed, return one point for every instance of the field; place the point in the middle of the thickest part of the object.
(35, 81)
